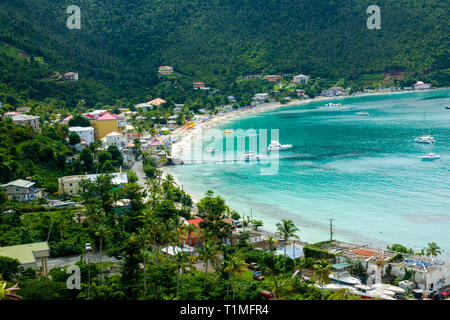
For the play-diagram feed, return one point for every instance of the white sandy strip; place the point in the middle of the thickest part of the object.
(187, 136)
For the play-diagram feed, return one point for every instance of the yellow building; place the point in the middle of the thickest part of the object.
(104, 125)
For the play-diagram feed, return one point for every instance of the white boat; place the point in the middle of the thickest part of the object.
(330, 104)
(276, 146)
(388, 289)
(426, 138)
(430, 157)
(369, 292)
(362, 113)
(333, 287)
(211, 150)
(251, 156)
(343, 277)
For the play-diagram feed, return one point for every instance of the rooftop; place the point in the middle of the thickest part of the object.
(195, 222)
(20, 183)
(107, 116)
(118, 177)
(376, 255)
(79, 129)
(25, 253)
(114, 134)
(24, 117)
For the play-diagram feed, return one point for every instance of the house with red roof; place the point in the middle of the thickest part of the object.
(199, 85)
(192, 238)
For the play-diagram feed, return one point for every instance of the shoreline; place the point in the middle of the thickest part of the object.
(186, 140)
(187, 136)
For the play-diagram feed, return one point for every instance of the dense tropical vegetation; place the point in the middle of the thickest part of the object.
(121, 45)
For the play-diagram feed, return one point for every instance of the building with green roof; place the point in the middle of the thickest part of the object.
(29, 255)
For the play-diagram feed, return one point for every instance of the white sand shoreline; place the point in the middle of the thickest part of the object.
(186, 137)
(186, 140)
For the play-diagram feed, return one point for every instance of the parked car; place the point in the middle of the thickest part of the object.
(267, 294)
(445, 294)
(253, 266)
(258, 276)
(237, 224)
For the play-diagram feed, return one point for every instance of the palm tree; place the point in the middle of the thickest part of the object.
(286, 230)
(277, 284)
(207, 253)
(235, 266)
(155, 230)
(433, 250)
(322, 271)
(101, 232)
(271, 242)
(189, 229)
(155, 192)
(168, 182)
(144, 241)
(181, 261)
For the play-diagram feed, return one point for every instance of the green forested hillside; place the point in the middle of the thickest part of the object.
(121, 43)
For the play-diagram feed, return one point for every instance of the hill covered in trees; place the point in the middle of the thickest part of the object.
(121, 44)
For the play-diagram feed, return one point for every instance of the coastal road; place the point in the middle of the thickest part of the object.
(138, 168)
(71, 260)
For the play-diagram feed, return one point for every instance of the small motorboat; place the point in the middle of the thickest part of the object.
(430, 157)
(333, 287)
(448, 107)
(251, 156)
(371, 293)
(362, 113)
(344, 277)
(211, 150)
(388, 289)
(276, 146)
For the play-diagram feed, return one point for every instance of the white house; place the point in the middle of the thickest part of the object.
(85, 133)
(231, 99)
(72, 76)
(421, 85)
(335, 91)
(261, 97)
(301, 78)
(114, 138)
(165, 70)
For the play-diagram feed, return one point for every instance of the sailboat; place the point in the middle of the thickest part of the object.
(425, 138)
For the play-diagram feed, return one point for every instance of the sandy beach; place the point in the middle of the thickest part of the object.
(187, 136)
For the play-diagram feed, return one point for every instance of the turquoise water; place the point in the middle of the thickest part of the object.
(364, 172)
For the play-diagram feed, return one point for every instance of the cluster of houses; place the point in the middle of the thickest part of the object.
(334, 92)
(20, 118)
(427, 273)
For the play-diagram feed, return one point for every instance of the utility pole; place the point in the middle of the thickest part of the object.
(331, 229)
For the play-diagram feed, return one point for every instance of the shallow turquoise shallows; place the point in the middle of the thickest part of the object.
(364, 172)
